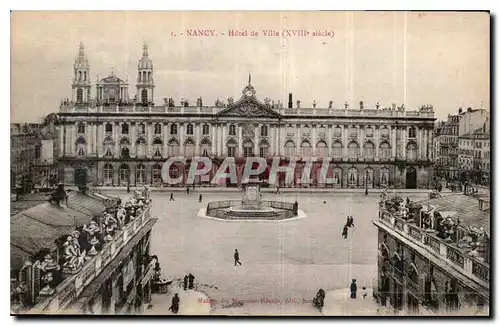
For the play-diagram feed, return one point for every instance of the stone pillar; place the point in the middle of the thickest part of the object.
(214, 139)
(403, 140)
(313, 137)
(116, 128)
(281, 135)
(181, 139)
(97, 138)
(330, 140)
(166, 131)
(345, 142)
(149, 133)
(133, 139)
(419, 143)
(62, 149)
(394, 142)
(220, 140)
(361, 135)
(100, 131)
(224, 139)
(426, 144)
(197, 136)
(377, 142)
(297, 140)
(240, 140)
(74, 130)
(256, 140)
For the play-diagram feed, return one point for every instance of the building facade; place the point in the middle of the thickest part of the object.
(434, 255)
(474, 154)
(471, 120)
(446, 142)
(112, 139)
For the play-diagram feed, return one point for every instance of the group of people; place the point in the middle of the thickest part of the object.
(200, 197)
(349, 223)
(354, 290)
(188, 283)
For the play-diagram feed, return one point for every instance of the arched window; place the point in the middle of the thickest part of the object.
(368, 177)
(173, 148)
(352, 177)
(232, 130)
(108, 128)
(322, 149)
(125, 129)
(84, 76)
(263, 149)
(384, 151)
(141, 147)
(353, 150)
(108, 174)
(263, 131)
(384, 177)
(108, 152)
(157, 129)
(337, 150)
(140, 174)
(290, 149)
(80, 146)
(156, 174)
(412, 133)
(81, 128)
(206, 129)
(124, 174)
(125, 153)
(337, 176)
(247, 149)
(79, 96)
(174, 172)
(157, 148)
(305, 149)
(231, 148)
(411, 152)
(79, 75)
(189, 129)
(189, 148)
(338, 132)
(141, 129)
(205, 147)
(173, 129)
(369, 151)
(144, 95)
(149, 75)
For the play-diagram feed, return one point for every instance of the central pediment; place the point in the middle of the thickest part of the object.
(248, 106)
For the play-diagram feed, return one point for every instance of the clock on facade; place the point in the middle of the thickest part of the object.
(249, 93)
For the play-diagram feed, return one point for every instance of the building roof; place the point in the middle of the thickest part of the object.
(467, 208)
(38, 227)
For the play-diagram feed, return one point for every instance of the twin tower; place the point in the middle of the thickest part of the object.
(112, 89)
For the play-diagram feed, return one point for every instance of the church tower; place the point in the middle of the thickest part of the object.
(81, 79)
(145, 82)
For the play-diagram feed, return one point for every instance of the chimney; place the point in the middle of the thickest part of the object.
(290, 100)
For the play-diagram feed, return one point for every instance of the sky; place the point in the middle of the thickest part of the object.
(415, 58)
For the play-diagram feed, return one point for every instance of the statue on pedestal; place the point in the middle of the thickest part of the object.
(230, 101)
(330, 104)
(49, 267)
(92, 231)
(72, 255)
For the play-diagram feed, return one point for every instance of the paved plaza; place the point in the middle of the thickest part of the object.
(284, 264)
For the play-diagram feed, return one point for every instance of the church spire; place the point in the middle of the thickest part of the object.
(249, 78)
(81, 50)
(145, 50)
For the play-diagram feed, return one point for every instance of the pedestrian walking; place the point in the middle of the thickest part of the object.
(174, 307)
(172, 197)
(236, 257)
(364, 293)
(200, 199)
(191, 281)
(185, 282)
(344, 232)
(187, 190)
(277, 190)
(354, 288)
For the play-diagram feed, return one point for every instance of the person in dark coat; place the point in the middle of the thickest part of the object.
(200, 198)
(174, 307)
(344, 232)
(185, 282)
(354, 288)
(191, 281)
(187, 190)
(236, 257)
(172, 196)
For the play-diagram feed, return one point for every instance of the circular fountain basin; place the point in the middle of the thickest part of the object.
(234, 210)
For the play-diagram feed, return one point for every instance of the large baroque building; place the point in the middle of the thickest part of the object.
(112, 139)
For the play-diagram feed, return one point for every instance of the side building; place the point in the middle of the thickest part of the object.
(83, 254)
(446, 138)
(434, 255)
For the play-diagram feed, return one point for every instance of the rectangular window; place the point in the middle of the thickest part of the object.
(125, 129)
(206, 129)
(232, 130)
(231, 151)
(263, 151)
(109, 128)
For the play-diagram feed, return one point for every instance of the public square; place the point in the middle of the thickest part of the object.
(284, 262)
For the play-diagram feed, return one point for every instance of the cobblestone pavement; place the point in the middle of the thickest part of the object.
(285, 262)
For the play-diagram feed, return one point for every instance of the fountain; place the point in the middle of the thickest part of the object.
(251, 207)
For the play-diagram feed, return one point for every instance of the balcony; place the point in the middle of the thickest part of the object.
(73, 285)
(448, 252)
